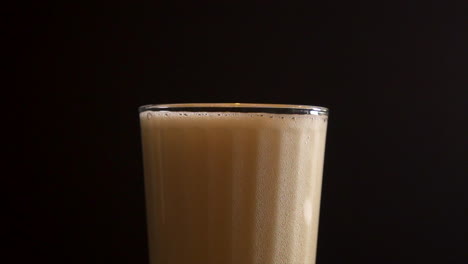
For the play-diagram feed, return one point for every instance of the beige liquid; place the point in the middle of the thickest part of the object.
(240, 188)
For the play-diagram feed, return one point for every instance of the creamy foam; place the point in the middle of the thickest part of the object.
(232, 187)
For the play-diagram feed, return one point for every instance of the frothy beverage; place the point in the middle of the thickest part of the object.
(227, 187)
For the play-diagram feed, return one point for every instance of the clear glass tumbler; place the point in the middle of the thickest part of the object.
(233, 183)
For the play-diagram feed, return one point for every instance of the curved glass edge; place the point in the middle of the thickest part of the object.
(238, 108)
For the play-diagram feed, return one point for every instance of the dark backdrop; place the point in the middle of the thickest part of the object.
(393, 74)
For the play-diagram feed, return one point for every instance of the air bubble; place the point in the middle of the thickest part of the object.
(149, 116)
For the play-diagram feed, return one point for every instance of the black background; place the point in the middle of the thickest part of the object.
(393, 74)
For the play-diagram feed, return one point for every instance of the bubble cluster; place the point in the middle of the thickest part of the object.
(235, 115)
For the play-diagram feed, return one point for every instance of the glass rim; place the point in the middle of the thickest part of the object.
(238, 108)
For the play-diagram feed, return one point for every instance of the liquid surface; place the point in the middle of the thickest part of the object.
(232, 187)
